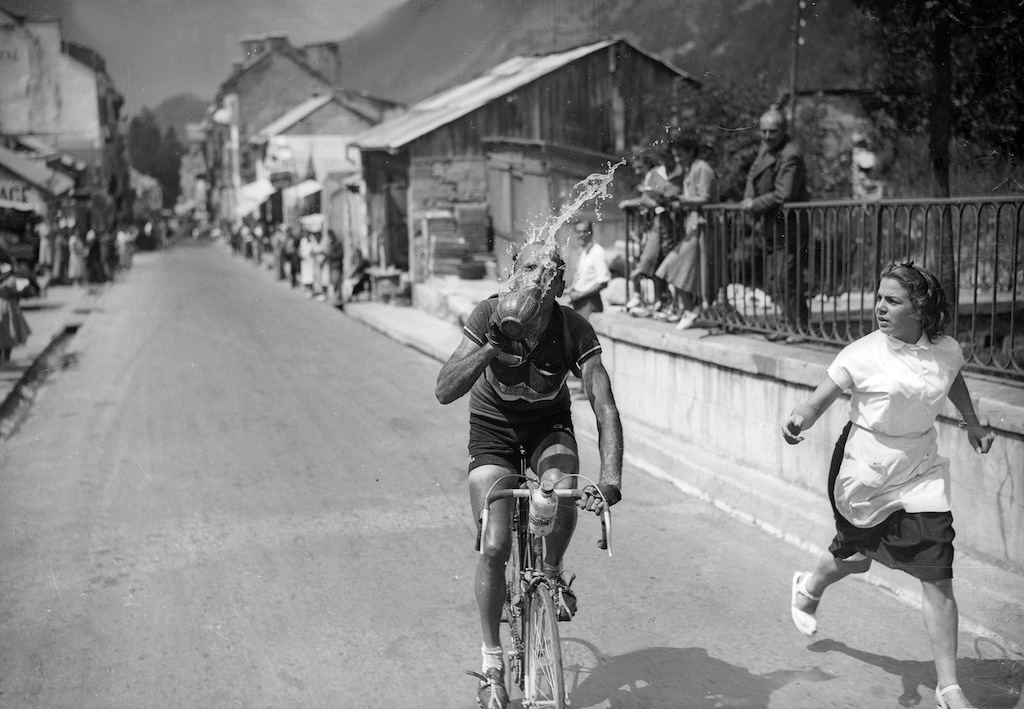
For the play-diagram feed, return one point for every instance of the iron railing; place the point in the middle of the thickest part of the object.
(975, 245)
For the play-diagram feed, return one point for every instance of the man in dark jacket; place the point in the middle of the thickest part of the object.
(776, 177)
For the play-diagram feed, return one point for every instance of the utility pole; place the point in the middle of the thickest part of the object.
(798, 24)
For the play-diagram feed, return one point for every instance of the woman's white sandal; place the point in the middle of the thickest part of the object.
(805, 622)
(940, 701)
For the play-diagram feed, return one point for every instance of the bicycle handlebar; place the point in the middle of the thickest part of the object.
(494, 495)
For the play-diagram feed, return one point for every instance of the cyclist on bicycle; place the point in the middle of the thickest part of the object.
(519, 397)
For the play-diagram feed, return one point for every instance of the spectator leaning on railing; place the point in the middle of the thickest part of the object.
(777, 176)
(681, 268)
(655, 189)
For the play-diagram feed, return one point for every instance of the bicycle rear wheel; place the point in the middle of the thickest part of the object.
(544, 684)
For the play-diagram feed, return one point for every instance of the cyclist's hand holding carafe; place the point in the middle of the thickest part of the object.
(499, 339)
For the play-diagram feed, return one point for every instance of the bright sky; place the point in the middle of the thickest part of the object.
(156, 49)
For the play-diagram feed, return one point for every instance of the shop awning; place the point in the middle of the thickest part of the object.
(17, 205)
(36, 173)
(258, 191)
(302, 190)
(312, 222)
(251, 195)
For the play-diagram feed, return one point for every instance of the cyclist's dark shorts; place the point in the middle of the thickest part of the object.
(494, 442)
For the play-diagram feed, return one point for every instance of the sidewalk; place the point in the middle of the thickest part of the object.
(991, 598)
(63, 308)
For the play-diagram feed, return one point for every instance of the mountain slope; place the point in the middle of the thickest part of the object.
(179, 110)
(424, 46)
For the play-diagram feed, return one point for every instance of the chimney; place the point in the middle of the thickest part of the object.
(325, 58)
(252, 46)
(275, 41)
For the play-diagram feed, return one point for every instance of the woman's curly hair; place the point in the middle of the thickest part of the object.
(926, 295)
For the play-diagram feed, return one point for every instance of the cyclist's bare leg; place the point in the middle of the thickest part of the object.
(556, 458)
(496, 544)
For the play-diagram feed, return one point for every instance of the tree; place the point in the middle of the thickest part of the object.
(167, 171)
(156, 155)
(969, 57)
(144, 142)
(724, 118)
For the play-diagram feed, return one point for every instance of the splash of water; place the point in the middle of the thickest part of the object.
(594, 187)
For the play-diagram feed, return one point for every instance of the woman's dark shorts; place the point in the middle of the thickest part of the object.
(494, 442)
(919, 543)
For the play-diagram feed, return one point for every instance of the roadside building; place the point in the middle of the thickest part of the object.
(29, 191)
(284, 88)
(305, 154)
(148, 196)
(461, 176)
(58, 92)
(193, 179)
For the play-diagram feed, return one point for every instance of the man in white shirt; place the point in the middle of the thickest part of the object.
(592, 274)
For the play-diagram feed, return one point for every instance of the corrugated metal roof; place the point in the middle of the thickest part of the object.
(35, 173)
(37, 145)
(451, 104)
(278, 126)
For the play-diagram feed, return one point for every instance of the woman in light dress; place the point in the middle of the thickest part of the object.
(76, 259)
(888, 485)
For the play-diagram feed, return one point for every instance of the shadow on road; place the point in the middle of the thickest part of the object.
(990, 679)
(668, 678)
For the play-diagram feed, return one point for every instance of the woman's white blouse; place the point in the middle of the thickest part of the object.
(897, 388)
(897, 391)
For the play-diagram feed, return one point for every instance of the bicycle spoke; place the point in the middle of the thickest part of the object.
(544, 680)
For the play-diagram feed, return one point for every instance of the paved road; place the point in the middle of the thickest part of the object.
(238, 497)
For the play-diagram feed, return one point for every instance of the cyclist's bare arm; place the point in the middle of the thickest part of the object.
(598, 386)
(462, 369)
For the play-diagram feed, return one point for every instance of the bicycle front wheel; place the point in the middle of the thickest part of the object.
(544, 681)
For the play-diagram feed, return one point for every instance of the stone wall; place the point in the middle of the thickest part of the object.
(729, 394)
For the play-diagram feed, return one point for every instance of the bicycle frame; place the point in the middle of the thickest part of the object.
(535, 651)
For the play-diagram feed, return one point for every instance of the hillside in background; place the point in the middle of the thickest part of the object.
(179, 110)
(424, 46)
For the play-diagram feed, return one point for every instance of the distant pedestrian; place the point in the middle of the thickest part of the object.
(321, 274)
(60, 257)
(336, 266)
(357, 278)
(291, 250)
(14, 329)
(45, 235)
(76, 259)
(307, 262)
(93, 258)
(124, 247)
(278, 240)
(888, 485)
(592, 274)
(108, 254)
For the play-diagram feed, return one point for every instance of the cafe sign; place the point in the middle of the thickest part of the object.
(18, 192)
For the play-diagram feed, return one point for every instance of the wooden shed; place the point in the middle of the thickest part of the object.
(461, 176)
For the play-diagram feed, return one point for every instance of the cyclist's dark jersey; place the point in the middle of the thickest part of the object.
(511, 393)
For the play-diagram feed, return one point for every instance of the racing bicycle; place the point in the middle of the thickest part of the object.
(535, 653)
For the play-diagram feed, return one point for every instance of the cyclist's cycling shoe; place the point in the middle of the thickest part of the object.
(565, 599)
(491, 693)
